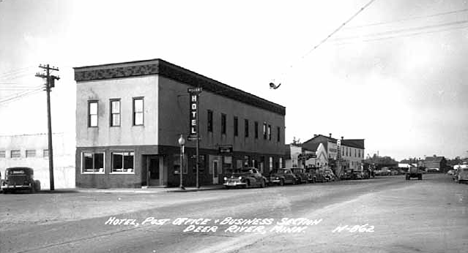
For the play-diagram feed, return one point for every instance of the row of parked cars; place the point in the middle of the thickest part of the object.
(250, 177)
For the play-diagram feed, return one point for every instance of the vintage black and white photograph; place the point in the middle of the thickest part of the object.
(234, 126)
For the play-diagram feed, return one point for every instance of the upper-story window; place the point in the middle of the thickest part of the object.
(115, 112)
(269, 132)
(210, 121)
(264, 131)
(278, 134)
(236, 126)
(256, 130)
(138, 108)
(31, 153)
(92, 113)
(15, 153)
(246, 128)
(223, 123)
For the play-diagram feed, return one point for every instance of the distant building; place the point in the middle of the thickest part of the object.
(352, 154)
(130, 116)
(435, 163)
(315, 155)
(327, 153)
(31, 150)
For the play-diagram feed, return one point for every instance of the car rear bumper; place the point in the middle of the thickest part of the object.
(234, 183)
(16, 187)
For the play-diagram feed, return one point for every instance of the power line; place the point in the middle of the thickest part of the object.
(407, 19)
(20, 95)
(327, 37)
(14, 73)
(337, 29)
(404, 32)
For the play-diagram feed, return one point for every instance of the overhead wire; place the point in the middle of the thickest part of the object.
(20, 95)
(402, 32)
(406, 19)
(331, 34)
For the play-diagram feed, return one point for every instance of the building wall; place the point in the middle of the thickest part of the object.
(294, 160)
(353, 157)
(174, 120)
(63, 149)
(124, 89)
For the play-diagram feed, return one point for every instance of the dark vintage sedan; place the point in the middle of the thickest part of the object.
(301, 175)
(282, 177)
(245, 177)
(20, 179)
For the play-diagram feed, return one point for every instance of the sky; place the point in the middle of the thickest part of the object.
(395, 75)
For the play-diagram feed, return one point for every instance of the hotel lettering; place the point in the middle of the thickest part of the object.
(194, 96)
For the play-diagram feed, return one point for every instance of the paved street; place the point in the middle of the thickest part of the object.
(385, 214)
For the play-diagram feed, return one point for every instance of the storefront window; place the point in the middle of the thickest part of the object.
(122, 162)
(92, 162)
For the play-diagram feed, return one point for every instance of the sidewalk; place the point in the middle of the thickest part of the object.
(152, 190)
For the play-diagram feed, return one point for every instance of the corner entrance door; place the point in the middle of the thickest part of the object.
(154, 170)
(215, 172)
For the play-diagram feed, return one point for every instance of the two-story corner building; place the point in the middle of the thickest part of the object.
(352, 154)
(130, 116)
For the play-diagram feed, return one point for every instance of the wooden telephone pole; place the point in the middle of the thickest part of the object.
(50, 83)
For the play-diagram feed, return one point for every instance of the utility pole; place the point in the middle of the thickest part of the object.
(50, 83)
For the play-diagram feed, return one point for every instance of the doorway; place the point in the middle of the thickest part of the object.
(215, 172)
(154, 170)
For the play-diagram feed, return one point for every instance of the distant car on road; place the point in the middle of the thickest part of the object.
(282, 177)
(300, 174)
(246, 177)
(414, 172)
(20, 179)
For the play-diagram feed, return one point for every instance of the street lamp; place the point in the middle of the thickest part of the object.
(181, 168)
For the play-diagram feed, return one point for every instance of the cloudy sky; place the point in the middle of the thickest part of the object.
(396, 75)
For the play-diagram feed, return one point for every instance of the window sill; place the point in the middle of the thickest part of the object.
(125, 173)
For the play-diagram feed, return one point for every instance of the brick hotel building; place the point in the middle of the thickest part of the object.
(129, 117)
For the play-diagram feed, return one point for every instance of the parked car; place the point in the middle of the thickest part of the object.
(1, 182)
(329, 176)
(320, 176)
(346, 176)
(311, 174)
(20, 179)
(462, 175)
(282, 177)
(300, 174)
(246, 177)
(450, 172)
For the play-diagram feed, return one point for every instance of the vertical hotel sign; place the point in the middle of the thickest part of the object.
(194, 94)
